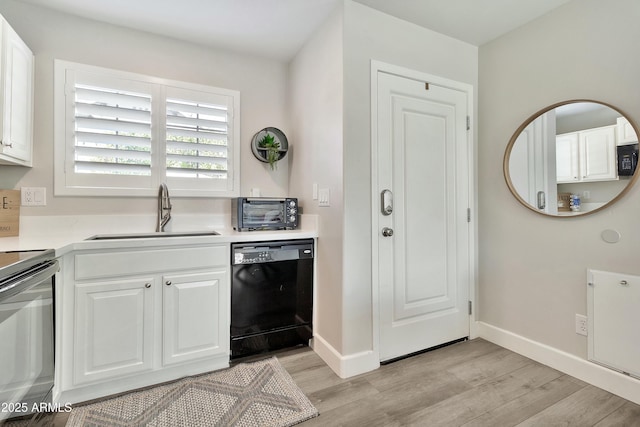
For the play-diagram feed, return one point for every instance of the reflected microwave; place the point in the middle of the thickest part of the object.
(263, 213)
(627, 159)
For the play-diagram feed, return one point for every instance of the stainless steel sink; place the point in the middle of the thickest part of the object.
(152, 235)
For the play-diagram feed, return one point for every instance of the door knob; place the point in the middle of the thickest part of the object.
(387, 232)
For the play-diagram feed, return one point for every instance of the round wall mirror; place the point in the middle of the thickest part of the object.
(572, 158)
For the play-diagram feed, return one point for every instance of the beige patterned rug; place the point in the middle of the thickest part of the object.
(250, 394)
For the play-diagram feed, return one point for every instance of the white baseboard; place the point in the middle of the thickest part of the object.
(345, 366)
(599, 376)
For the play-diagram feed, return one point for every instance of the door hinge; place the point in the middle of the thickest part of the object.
(468, 214)
(470, 308)
(468, 122)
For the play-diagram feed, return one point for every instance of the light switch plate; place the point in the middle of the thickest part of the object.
(323, 197)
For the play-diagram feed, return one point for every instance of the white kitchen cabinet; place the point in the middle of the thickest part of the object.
(16, 98)
(114, 328)
(139, 317)
(626, 134)
(567, 158)
(588, 155)
(191, 329)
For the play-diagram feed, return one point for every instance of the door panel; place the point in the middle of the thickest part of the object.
(114, 329)
(192, 321)
(423, 269)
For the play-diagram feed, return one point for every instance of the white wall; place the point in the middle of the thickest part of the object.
(372, 35)
(51, 35)
(532, 274)
(316, 117)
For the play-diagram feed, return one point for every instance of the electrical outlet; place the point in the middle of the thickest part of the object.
(581, 325)
(33, 196)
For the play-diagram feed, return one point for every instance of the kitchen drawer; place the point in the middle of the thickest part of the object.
(108, 264)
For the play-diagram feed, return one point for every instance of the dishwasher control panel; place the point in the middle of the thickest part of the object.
(263, 252)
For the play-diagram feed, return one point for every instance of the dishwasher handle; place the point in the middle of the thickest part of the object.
(28, 279)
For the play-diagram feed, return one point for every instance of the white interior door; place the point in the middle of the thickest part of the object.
(423, 248)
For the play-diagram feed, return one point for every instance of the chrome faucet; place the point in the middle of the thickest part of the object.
(164, 207)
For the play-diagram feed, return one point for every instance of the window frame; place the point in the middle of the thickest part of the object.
(69, 183)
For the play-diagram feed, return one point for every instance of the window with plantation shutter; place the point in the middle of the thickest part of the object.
(124, 134)
(196, 139)
(112, 131)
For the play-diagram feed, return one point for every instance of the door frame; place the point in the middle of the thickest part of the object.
(376, 67)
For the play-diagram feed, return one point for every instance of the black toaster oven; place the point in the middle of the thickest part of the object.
(263, 213)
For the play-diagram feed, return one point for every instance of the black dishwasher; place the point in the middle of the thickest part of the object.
(271, 295)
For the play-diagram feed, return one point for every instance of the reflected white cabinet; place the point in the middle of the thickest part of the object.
(625, 132)
(588, 155)
(16, 98)
(567, 158)
(131, 318)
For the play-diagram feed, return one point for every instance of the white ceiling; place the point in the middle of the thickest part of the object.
(278, 28)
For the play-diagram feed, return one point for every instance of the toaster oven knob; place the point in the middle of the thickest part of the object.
(292, 218)
(292, 204)
(293, 211)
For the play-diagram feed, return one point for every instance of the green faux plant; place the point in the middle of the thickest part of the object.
(272, 147)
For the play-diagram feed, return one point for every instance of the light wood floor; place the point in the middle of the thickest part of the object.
(473, 383)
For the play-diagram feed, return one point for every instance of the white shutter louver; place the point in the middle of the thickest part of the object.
(112, 131)
(197, 140)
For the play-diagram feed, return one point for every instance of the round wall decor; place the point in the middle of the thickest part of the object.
(269, 145)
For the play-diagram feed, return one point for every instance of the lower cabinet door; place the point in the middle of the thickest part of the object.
(195, 319)
(113, 329)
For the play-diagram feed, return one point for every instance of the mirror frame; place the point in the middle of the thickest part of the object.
(527, 122)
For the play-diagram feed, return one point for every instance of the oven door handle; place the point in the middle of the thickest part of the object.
(39, 275)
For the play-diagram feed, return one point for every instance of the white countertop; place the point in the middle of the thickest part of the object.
(67, 233)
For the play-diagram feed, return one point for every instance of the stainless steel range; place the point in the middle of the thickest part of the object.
(26, 333)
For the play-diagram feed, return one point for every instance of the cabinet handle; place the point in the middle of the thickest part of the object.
(168, 283)
(147, 285)
(6, 145)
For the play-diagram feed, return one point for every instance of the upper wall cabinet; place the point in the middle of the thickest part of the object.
(16, 98)
(625, 132)
(588, 155)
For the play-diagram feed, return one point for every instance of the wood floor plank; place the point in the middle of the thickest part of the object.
(415, 398)
(529, 404)
(486, 368)
(430, 363)
(341, 394)
(404, 374)
(317, 378)
(299, 360)
(470, 404)
(586, 407)
(363, 412)
(628, 415)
